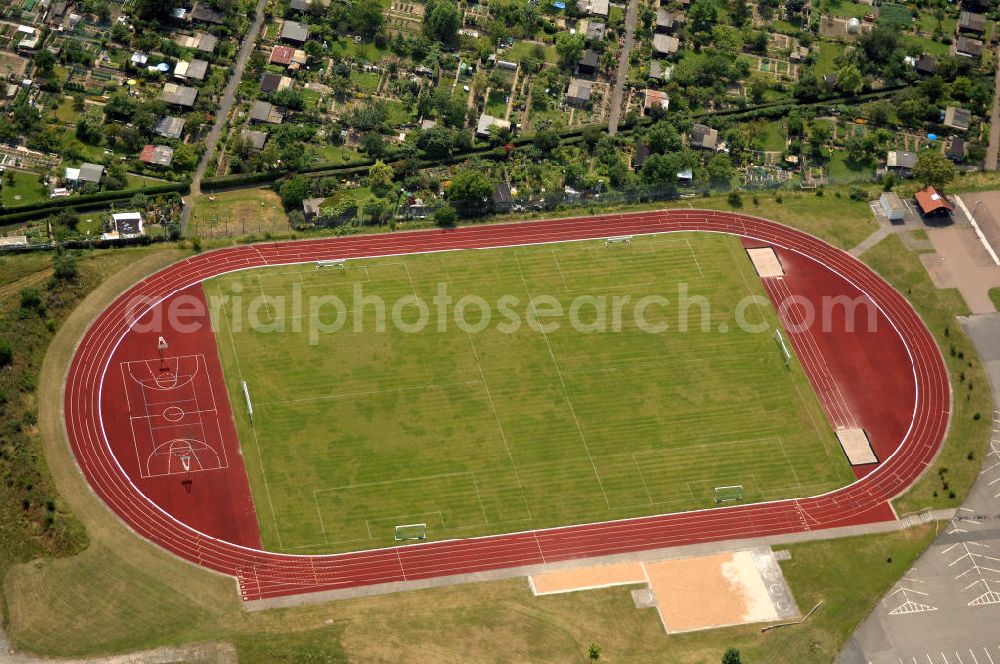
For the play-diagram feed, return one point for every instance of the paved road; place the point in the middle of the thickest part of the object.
(616, 96)
(994, 148)
(225, 105)
(947, 607)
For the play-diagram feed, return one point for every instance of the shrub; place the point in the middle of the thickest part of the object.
(446, 216)
(6, 354)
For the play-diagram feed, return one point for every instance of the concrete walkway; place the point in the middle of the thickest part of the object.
(882, 232)
(993, 150)
(225, 105)
(615, 113)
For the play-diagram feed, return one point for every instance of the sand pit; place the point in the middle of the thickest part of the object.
(856, 446)
(702, 592)
(710, 591)
(587, 578)
(766, 262)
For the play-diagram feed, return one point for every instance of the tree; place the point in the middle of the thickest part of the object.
(365, 17)
(64, 266)
(739, 12)
(44, 62)
(720, 168)
(445, 216)
(441, 21)
(569, 47)
(471, 192)
(849, 79)
(377, 209)
(732, 656)
(116, 177)
(293, 191)
(934, 169)
(547, 139)
(90, 130)
(380, 178)
(6, 354)
(594, 652)
(436, 142)
(701, 18)
(373, 145)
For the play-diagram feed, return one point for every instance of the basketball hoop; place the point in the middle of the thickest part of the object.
(186, 464)
(161, 345)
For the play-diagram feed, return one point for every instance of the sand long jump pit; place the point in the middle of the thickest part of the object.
(690, 594)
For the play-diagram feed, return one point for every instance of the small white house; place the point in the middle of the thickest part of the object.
(124, 226)
(892, 206)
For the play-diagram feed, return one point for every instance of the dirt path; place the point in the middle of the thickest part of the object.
(25, 282)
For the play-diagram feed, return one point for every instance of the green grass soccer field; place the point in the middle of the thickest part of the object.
(493, 427)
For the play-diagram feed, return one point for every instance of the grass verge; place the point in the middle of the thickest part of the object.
(948, 480)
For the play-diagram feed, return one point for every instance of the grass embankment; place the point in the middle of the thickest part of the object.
(832, 216)
(34, 520)
(948, 480)
(156, 600)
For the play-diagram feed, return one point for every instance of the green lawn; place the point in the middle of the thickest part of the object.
(364, 81)
(773, 137)
(995, 297)
(25, 189)
(842, 169)
(826, 60)
(846, 9)
(503, 430)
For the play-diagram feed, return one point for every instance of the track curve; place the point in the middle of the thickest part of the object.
(264, 574)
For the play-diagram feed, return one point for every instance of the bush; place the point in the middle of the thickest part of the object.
(735, 199)
(64, 266)
(858, 194)
(446, 216)
(31, 300)
(6, 354)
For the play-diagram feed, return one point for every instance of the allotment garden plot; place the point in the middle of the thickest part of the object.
(500, 427)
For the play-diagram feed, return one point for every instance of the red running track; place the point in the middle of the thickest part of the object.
(264, 574)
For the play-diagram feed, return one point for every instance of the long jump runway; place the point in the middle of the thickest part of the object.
(264, 574)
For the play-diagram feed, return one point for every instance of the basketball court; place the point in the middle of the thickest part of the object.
(173, 416)
(690, 594)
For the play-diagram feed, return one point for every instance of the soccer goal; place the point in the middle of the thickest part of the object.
(620, 239)
(246, 394)
(335, 263)
(786, 354)
(411, 531)
(729, 494)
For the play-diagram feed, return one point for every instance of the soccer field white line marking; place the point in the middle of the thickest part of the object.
(319, 513)
(565, 391)
(643, 480)
(559, 268)
(350, 395)
(253, 429)
(493, 406)
(695, 257)
(479, 496)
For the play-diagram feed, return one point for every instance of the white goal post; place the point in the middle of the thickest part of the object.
(786, 354)
(618, 239)
(246, 394)
(731, 493)
(337, 263)
(411, 531)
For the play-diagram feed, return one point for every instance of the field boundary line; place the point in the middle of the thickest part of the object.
(562, 382)
(253, 429)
